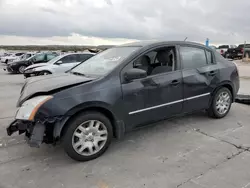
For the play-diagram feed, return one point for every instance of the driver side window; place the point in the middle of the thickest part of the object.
(157, 61)
(68, 59)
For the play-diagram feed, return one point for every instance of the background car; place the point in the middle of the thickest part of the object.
(22, 57)
(11, 57)
(59, 64)
(239, 51)
(20, 66)
(223, 49)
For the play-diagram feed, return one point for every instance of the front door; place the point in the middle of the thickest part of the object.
(200, 77)
(160, 94)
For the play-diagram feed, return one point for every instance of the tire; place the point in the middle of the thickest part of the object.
(82, 124)
(44, 73)
(21, 69)
(216, 105)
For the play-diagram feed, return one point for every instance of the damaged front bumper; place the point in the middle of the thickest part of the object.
(34, 132)
(46, 131)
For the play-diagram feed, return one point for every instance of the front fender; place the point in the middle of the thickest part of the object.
(118, 125)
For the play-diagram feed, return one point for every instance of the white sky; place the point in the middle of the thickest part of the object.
(96, 22)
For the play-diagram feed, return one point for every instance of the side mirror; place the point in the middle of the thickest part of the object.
(135, 73)
(58, 62)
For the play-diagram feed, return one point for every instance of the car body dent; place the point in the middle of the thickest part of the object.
(50, 83)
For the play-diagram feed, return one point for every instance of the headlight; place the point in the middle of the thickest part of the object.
(30, 107)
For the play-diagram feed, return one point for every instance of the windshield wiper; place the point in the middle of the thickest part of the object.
(77, 73)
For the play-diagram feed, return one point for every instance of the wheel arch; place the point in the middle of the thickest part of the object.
(117, 125)
(226, 84)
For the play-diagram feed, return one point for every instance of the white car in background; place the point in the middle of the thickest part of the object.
(59, 64)
(22, 57)
(12, 57)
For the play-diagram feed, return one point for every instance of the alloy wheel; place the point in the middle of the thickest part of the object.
(223, 103)
(21, 69)
(89, 137)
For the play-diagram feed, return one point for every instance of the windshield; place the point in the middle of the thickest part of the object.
(104, 62)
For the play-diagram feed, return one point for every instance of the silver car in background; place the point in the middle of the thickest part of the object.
(59, 64)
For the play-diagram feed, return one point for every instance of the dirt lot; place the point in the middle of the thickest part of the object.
(188, 152)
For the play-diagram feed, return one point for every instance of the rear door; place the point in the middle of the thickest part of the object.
(200, 76)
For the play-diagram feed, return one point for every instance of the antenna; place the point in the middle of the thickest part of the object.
(185, 39)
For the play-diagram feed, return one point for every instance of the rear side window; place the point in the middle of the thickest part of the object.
(192, 57)
(69, 59)
(209, 57)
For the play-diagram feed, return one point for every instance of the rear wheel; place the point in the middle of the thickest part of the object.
(221, 103)
(21, 69)
(44, 73)
(88, 136)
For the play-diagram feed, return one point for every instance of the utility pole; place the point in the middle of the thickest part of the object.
(243, 54)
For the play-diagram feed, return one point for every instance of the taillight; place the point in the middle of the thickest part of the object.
(242, 50)
(222, 51)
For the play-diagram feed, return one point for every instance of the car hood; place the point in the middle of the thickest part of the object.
(40, 85)
(36, 66)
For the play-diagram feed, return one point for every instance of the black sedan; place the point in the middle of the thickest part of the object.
(20, 66)
(121, 89)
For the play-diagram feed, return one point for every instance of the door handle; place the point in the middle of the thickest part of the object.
(175, 82)
(212, 73)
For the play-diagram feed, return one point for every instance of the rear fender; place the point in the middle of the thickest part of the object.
(223, 84)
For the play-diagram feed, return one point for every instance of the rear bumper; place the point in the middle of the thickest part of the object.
(34, 132)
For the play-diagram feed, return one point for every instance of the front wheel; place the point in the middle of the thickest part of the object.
(221, 103)
(21, 69)
(88, 136)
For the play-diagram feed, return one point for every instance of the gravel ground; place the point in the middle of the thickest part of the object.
(188, 152)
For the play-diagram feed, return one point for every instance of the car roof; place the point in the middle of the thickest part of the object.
(156, 43)
(63, 55)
